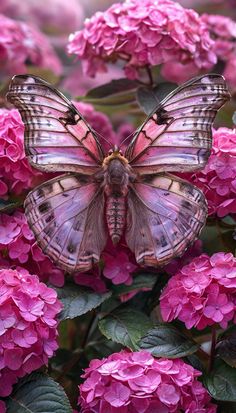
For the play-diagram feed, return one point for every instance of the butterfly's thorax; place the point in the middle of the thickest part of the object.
(116, 177)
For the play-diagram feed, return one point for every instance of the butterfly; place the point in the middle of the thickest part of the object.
(131, 191)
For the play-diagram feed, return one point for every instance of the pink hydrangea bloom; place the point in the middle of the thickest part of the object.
(58, 17)
(28, 326)
(2, 407)
(15, 171)
(202, 293)
(218, 179)
(17, 244)
(223, 30)
(119, 264)
(22, 44)
(137, 382)
(143, 33)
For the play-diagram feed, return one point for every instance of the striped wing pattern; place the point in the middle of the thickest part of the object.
(177, 136)
(66, 216)
(57, 138)
(165, 215)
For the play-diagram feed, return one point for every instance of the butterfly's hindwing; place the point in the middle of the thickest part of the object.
(66, 216)
(165, 215)
(57, 137)
(177, 136)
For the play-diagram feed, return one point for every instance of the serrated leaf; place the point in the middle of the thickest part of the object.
(167, 341)
(78, 301)
(221, 382)
(143, 280)
(226, 347)
(111, 88)
(38, 393)
(148, 98)
(125, 326)
(9, 205)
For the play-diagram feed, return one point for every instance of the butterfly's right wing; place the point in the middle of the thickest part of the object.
(57, 137)
(67, 218)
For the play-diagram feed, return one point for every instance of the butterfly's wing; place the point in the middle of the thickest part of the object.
(177, 136)
(165, 215)
(67, 218)
(57, 137)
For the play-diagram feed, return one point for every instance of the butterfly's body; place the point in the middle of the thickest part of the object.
(133, 193)
(117, 175)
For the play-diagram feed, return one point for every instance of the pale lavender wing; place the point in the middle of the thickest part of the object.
(177, 136)
(165, 215)
(57, 137)
(67, 218)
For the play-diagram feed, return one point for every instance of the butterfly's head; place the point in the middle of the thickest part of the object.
(115, 153)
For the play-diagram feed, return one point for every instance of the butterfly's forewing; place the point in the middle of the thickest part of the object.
(66, 216)
(57, 138)
(165, 215)
(177, 135)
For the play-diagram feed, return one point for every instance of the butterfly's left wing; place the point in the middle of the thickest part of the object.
(66, 215)
(165, 215)
(57, 137)
(177, 136)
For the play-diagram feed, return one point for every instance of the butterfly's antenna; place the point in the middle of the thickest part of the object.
(102, 137)
(127, 137)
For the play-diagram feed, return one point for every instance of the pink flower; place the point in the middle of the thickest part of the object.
(58, 16)
(218, 179)
(2, 407)
(137, 382)
(118, 266)
(143, 33)
(223, 30)
(28, 310)
(202, 293)
(21, 44)
(16, 173)
(18, 244)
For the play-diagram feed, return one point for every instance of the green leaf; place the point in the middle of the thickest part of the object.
(148, 98)
(143, 280)
(38, 393)
(221, 382)
(111, 88)
(8, 206)
(126, 326)
(166, 341)
(117, 92)
(226, 347)
(78, 300)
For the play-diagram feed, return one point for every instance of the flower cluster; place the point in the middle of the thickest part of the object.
(28, 326)
(143, 33)
(18, 247)
(223, 30)
(16, 175)
(58, 17)
(202, 293)
(22, 44)
(136, 382)
(218, 179)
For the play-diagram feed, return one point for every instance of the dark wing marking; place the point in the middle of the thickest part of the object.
(67, 218)
(57, 137)
(165, 215)
(177, 136)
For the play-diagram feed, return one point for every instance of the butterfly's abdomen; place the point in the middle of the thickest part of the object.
(115, 216)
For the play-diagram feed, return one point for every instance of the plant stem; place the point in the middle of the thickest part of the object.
(213, 348)
(77, 354)
(149, 73)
